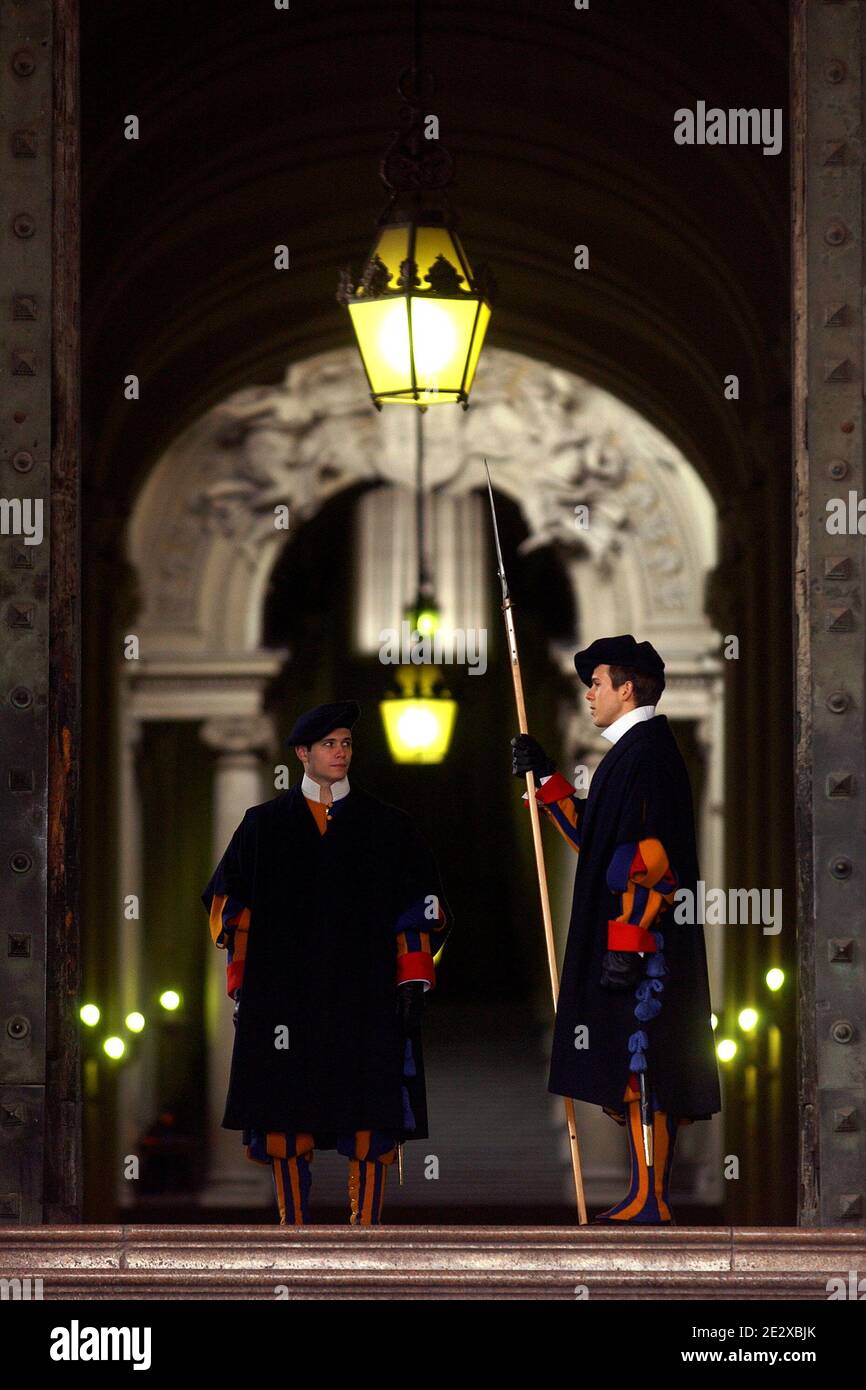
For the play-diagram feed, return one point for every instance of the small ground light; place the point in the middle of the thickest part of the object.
(170, 999)
(726, 1049)
(115, 1047)
(747, 1018)
(714, 1021)
(89, 1014)
(775, 978)
(134, 1021)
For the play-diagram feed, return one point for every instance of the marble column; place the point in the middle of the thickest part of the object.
(239, 782)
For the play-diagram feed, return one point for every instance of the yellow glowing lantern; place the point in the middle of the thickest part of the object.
(418, 722)
(419, 315)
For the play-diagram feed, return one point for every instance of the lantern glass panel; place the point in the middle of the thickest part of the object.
(477, 344)
(392, 248)
(431, 242)
(382, 329)
(441, 340)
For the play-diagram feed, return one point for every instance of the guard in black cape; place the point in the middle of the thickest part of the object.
(330, 908)
(633, 1031)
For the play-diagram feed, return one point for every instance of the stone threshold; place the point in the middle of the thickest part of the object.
(406, 1262)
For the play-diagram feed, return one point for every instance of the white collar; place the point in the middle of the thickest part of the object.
(313, 792)
(624, 723)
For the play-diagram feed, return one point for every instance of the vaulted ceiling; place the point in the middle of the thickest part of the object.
(261, 126)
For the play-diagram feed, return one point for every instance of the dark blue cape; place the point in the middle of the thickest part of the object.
(321, 960)
(640, 790)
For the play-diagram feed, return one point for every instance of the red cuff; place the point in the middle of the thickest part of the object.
(234, 976)
(625, 936)
(416, 965)
(556, 788)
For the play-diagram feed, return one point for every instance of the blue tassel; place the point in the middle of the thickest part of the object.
(647, 1010)
(656, 966)
(636, 1044)
(409, 1068)
(647, 1006)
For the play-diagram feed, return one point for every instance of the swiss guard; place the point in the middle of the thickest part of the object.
(633, 1031)
(330, 910)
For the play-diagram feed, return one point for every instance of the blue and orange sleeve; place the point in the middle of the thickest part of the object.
(229, 927)
(641, 873)
(420, 932)
(558, 800)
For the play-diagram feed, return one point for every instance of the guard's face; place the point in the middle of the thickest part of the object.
(605, 703)
(328, 758)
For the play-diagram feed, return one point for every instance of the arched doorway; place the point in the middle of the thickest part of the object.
(610, 529)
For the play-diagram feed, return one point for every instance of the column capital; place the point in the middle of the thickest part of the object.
(238, 733)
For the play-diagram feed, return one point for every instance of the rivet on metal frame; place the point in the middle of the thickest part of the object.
(835, 71)
(23, 63)
(841, 948)
(841, 867)
(843, 1031)
(846, 1120)
(837, 701)
(840, 620)
(837, 566)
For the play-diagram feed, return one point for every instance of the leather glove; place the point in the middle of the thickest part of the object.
(527, 755)
(237, 998)
(621, 970)
(410, 1007)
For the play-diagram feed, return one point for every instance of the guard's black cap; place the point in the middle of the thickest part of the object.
(619, 651)
(317, 723)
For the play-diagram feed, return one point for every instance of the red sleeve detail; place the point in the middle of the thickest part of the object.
(625, 936)
(557, 788)
(416, 965)
(234, 976)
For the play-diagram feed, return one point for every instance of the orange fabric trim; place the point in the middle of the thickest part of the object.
(319, 813)
(637, 1158)
(661, 1145)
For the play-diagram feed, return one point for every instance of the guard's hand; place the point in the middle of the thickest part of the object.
(621, 970)
(237, 998)
(410, 1007)
(527, 755)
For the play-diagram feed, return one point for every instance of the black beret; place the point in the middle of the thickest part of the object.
(317, 723)
(619, 651)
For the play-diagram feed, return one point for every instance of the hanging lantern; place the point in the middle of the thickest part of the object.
(419, 311)
(419, 721)
(419, 317)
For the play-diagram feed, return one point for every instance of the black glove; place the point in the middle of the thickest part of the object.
(527, 755)
(237, 998)
(410, 1007)
(621, 970)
